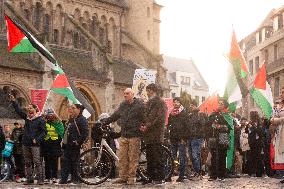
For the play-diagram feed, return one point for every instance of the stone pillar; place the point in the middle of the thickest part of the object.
(110, 89)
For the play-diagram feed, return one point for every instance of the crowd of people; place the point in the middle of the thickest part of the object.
(41, 141)
(222, 144)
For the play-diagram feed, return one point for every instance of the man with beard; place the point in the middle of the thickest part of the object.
(153, 130)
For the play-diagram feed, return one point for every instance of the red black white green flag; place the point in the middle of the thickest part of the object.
(262, 94)
(62, 87)
(21, 41)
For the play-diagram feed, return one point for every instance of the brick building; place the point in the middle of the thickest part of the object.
(99, 44)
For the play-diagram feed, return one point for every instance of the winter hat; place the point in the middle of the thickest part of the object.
(49, 112)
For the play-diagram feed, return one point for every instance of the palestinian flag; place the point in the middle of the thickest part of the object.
(236, 57)
(232, 90)
(21, 41)
(261, 93)
(210, 104)
(230, 152)
(62, 87)
(238, 63)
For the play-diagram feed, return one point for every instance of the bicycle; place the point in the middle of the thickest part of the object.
(95, 164)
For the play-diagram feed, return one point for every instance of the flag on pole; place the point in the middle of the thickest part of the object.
(21, 41)
(236, 57)
(62, 87)
(232, 90)
(238, 68)
(238, 71)
(261, 93)
(210, 104)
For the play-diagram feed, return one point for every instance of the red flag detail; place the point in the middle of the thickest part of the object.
(15, 36)
(235, 52)
(210, 105)
(170, 105)
(260, 79)
(39, 97)
(60, 81)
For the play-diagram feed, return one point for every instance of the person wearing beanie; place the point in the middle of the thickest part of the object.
(51, 145)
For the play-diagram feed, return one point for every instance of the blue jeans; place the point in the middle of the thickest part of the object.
(194, 149)
(180, 148)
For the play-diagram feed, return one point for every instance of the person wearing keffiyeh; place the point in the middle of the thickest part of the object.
(178, 121)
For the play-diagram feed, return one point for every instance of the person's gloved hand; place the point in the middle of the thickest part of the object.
(104, 121)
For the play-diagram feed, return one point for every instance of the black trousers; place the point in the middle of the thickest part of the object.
(266, 161)
(245, 165)
(256, 164)
(218, 162)
(71, 156)
(19, 163)
(51, 167)
(155, 162)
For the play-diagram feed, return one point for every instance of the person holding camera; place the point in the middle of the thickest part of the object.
(51, 145)
(33, 135)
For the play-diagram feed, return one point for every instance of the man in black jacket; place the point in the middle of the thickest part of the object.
(155, 117)
(75, 135)
(130, 113)
(178, 123)
(196, 130)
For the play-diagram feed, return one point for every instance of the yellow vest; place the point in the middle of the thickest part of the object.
(51, 132)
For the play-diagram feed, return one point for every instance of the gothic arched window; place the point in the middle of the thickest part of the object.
(94, 26)
(56, 36)
(46, 26)
(76, 40)
(37, 15)
(27, 14)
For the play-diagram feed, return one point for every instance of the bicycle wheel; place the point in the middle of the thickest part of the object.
(5, 169)
(168, 163)
(91, 169)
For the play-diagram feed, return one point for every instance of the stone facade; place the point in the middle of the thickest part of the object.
(98, 43)
(266, 45)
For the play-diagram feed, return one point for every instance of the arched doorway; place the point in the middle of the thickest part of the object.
(90, 97)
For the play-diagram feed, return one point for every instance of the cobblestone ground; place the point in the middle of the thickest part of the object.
(250, 183)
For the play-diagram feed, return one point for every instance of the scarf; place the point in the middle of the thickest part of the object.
(29, 117)
(177, 110)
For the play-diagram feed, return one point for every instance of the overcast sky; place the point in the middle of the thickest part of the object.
(201, 30)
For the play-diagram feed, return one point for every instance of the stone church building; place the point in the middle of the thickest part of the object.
(99, 44)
